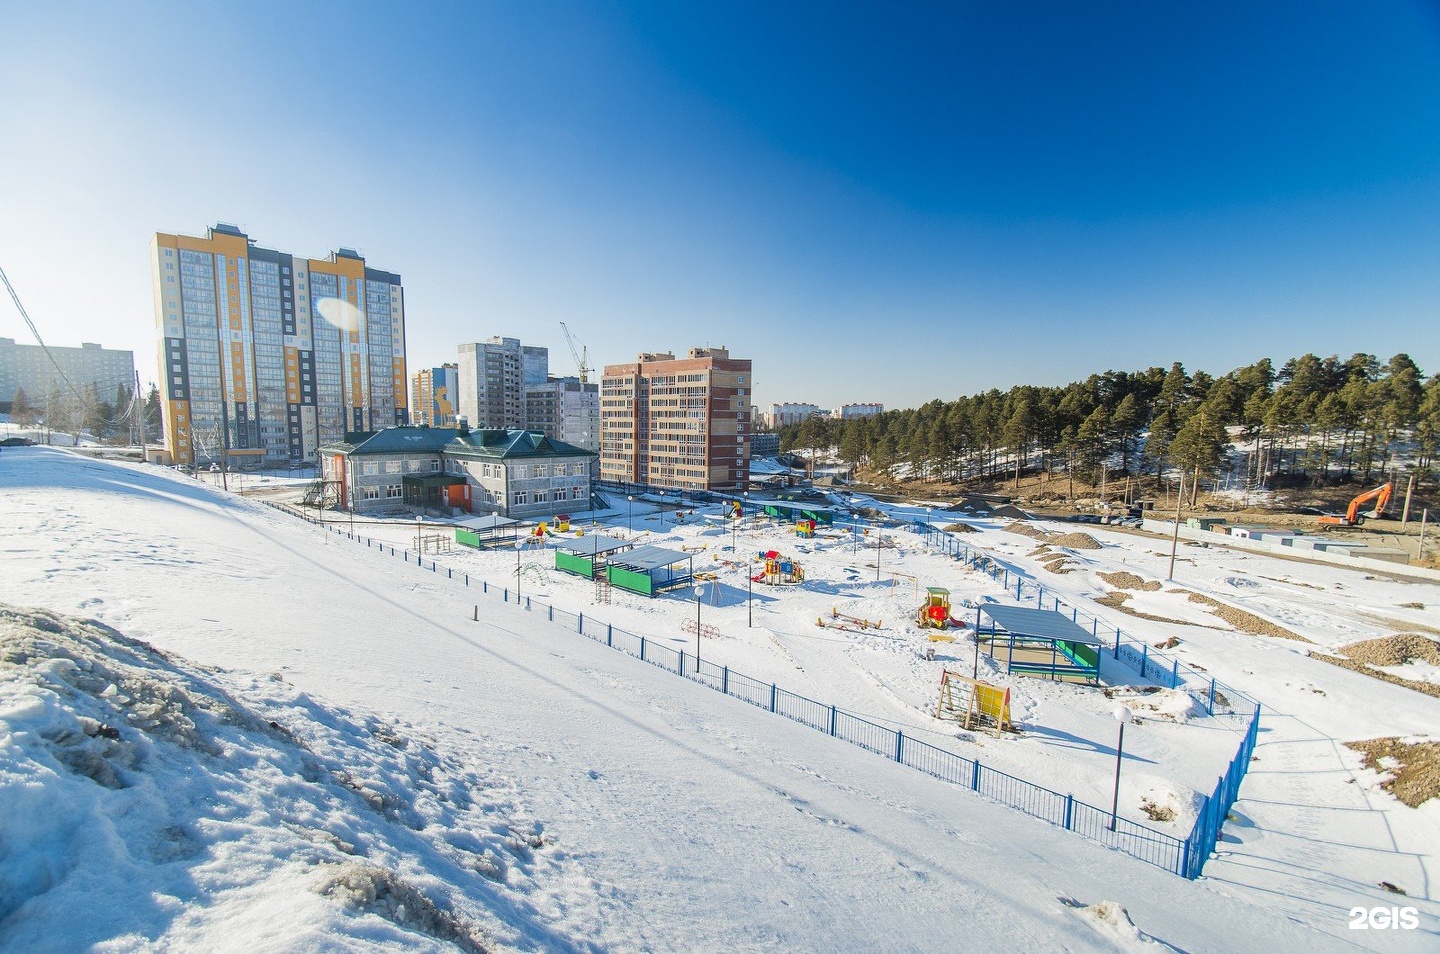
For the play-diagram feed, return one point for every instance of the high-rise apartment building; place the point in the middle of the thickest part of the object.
(848, 412)
(31, 369)
(566, 409)
(677, 422)
(435, 396)
(783, 415)
(492, 378)
(266, 356)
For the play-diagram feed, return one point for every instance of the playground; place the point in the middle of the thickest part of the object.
(871, 619)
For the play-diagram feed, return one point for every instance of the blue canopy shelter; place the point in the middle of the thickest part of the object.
(1037, 642)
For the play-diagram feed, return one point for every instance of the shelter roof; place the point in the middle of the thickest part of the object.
(488, 522)
(590, 545)
(651, 557)
(431, 480)
(1045, 624)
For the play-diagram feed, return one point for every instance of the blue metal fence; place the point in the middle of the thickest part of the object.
(1183, 856)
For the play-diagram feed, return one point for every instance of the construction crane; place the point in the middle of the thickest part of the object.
(1353, 518)
(581, 357)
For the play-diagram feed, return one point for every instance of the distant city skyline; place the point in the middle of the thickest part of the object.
(874, 203)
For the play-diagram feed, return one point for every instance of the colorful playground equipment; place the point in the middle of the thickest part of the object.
(850, 624)
(804, 528)
(779, 571)
(935, 613)
(973, 702)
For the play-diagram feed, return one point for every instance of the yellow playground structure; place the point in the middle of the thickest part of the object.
(973, 703)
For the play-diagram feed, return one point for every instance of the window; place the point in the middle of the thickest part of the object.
(541, 496)
(392, 467)
(521, 472)
(521, 497)
(372, 493)
(370, 468)
(393, 491)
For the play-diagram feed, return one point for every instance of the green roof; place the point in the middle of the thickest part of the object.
(511, 444)
(406, 439)
(488, 444)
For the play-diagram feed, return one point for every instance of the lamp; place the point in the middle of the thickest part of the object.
(699, 591)
(1124, 716)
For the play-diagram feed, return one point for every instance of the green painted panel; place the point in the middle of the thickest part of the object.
(574, 564)
(630, 580)
(467, 538)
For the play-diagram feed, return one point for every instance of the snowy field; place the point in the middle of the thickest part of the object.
(324, 736)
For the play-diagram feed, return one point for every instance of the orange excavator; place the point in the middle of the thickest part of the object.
(1353, 517)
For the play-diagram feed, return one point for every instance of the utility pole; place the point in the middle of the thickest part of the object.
(1409, 489)
(1175, 537)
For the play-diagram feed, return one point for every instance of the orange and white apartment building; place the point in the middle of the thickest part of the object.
(265, 356)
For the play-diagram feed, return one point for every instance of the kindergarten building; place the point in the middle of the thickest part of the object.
(519, 474)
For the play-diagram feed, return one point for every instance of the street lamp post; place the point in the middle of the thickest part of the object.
(519, 548)
(749, 596)
(631, 498)
(975, 670)
(419, 521)
(878, 541)
(1123, 715)
(699, 591)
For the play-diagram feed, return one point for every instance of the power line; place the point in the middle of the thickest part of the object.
(36, 332)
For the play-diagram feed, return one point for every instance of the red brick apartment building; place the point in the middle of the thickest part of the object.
(677, 422)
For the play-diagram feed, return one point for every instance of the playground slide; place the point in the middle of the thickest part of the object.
(757, 579)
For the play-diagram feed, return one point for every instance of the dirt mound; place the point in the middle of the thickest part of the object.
(1245, 622)
(1024, 529)
(1057, 563)
(1124, 580)
(1415, 777)
(1428, 688)
(960, 528)
(1394, 650)
(1116, 600)
(1075, 541)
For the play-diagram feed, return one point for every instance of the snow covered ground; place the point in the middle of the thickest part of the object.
(378, 768)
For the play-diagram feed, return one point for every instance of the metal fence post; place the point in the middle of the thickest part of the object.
(1069, 811)
(580, 627)
(900, 746)
(1144, 658)
(772, 697)
(725, 680)
(975, 776)
(832, 720)
(642, 648)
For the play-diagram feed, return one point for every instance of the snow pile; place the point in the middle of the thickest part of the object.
(1113, 923)
(127, 775)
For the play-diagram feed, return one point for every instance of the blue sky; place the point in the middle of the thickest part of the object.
(891, 202)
